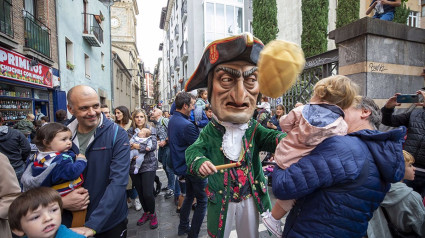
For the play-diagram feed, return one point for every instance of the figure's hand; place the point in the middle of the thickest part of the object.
(421, 104)
(392, 102)
(148, 149)
(85, 231)
(207, 168)
(76, 200)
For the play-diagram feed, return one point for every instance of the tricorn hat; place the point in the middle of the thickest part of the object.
(240, 47)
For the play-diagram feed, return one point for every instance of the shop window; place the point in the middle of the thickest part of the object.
(42, 95)
(87, 65)
(69, 53)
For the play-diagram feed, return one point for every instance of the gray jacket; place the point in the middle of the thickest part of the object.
(405, 209)
(151, 161)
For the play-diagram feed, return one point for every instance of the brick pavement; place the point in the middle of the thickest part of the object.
(168, 219)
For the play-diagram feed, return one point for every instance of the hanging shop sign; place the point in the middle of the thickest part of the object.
(18, 67)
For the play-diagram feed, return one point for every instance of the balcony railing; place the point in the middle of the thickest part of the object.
(37, 35)
(6, 17)
(184, 10)
(93, 32)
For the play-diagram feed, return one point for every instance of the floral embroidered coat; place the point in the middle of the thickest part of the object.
(208, 147)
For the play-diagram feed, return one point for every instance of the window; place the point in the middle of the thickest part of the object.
(30, 7)
(413, 19)
(222, 20)
(423, 10)
(69, 47)
(6, 16)
(87, 65)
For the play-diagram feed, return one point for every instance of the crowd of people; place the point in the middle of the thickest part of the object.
(333, 172)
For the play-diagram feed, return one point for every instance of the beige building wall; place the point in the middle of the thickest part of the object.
(289, 18)
(123, 34)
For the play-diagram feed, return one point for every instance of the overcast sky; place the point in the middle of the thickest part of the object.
(148, 33)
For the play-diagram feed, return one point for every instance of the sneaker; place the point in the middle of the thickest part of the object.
(137, 204)
(164, 189)
(154, 221)
(169, 194)
(183, 232)
(273, 225)
(143, 219)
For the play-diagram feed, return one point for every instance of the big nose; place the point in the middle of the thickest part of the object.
(239, 92)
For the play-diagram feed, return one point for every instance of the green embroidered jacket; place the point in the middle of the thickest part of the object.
(208, 147)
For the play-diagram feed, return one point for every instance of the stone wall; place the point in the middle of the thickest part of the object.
(382, 57)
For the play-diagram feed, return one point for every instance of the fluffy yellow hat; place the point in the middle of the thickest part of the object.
(279, 65)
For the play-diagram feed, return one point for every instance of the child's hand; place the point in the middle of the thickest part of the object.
(148, 149)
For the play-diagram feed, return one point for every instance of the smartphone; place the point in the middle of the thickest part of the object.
(408, 98)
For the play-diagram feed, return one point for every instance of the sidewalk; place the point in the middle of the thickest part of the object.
(168, 219)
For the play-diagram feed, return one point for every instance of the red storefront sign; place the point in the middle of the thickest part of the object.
(17, 67)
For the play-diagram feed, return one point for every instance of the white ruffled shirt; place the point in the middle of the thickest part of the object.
(232, 139)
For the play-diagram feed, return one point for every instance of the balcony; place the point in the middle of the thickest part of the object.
(183, 51)
(37, 35)
(176, 64)
(93, 32)
(6, 18)
(184, 11)
(176, 32)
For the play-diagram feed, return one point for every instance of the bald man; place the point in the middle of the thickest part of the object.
(107, 149)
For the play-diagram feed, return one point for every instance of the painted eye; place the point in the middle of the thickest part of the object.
(226, 80)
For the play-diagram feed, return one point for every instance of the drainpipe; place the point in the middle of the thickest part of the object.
(112, 59)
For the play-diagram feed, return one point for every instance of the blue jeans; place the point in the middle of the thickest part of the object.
(195, 188)
(386, 16)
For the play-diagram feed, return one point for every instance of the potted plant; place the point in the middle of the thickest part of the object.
(98, 18)
(69, 65)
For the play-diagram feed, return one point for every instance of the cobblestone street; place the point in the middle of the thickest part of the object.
(168, 219)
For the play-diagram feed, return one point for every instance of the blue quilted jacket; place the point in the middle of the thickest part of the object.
(339, 185)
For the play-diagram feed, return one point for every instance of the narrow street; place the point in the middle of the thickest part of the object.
(169, 220)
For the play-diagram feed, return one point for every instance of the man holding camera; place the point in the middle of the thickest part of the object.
(415, 142)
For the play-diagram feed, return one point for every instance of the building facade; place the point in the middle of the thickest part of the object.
(84, 46)
(189, 26)
(28, 58)
(123, 34)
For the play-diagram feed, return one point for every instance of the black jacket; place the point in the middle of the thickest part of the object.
(415, 123)
(15, 146)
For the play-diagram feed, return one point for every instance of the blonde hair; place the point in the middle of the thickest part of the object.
(338, 90)
(408, 158)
